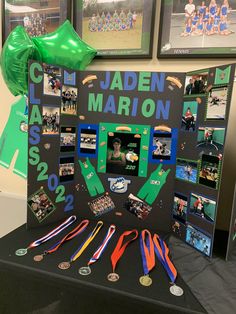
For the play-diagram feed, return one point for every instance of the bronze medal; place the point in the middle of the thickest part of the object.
(145, 280)
(113, 277)
(38, 258)
(64, 265)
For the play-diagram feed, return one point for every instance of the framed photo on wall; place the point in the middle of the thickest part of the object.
(197, 29)
(116, 28)
(38, 17)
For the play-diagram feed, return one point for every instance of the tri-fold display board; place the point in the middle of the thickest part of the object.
(142, 149)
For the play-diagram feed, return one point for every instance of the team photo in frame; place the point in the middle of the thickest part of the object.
(117, 29)
(197, 29)
(37, 17)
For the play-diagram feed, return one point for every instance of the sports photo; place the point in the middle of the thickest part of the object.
(202, 207)
(209, 174)
(102, 205)
(69, 100)
(40, 205)
(123, 153)
(198, 240)
(189, 116)
(67, 139)
(210, 138)
(66, 169)
(161, 146)
(116, 27)
(216, 103)
(51, 120)
(186, 170)
(37, 17)
(180, 207)
(195, 27)
(137, 207)
(88, 141)
(52, 80)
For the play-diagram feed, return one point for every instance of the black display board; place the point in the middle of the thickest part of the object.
(143, 149)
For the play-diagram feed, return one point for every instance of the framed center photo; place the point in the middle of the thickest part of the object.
(116, 28)
(37, 17)
(195, 29)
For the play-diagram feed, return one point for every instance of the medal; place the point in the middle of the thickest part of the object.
(113, 277)
(176, 290)
(21, 252)
(64, 265)
(148, 257)
(38, 258)
(145, 280)
(76, 231)
(47, 237)
(162, 252)
(87, 270)
(119, 251)
(83, 246)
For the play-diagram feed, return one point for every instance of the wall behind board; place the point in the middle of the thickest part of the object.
(16, 187)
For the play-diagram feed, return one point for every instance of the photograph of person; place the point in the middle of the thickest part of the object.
(189, 116)
(198, 240)
(37, 17)
(41, 205)
(217, 103)
(211, 138)
(196, 83)
(195, 27)
(202, 207)
(180, 207)
(52, 80)
(51, 120)
(69, 100)
(186, 170)
(123, 152)
(209, 174)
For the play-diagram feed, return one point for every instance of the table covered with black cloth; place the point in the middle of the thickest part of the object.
(30, 287)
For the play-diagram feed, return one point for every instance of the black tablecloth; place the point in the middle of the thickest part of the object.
(30, 287)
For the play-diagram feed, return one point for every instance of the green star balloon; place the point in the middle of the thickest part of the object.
(17, 51)
(64, 47)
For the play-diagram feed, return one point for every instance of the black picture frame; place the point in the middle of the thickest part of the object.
(41, 7)
(146, 37)
(172, 24)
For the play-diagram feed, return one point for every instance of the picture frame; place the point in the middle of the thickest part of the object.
(38, 17)
(115, 28)
(206, 32)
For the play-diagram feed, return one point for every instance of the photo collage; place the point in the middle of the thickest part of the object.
(61, 97)
(200, 155)
(108, 162)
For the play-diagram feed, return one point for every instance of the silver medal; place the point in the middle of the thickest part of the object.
(176, 290)
(85, 271)
(21, 252)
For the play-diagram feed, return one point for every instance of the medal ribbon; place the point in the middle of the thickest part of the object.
(147, 251)
(78, 230)
(54, 232)
(104, 244)
(162, 253)
(119, 249)
(86, 243)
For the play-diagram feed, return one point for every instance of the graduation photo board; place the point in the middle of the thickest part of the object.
(142, 149)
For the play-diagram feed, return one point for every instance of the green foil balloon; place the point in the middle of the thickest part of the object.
(63, 47)
(17, 51)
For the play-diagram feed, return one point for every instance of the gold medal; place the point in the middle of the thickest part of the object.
(145, 280)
